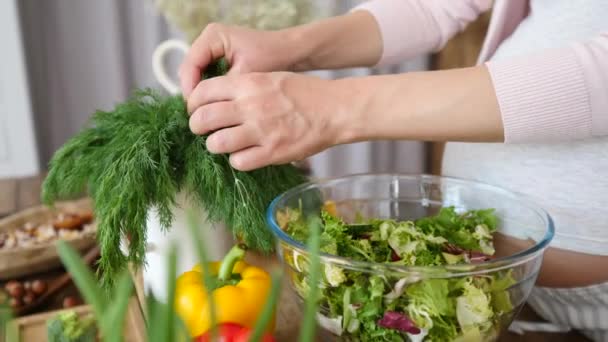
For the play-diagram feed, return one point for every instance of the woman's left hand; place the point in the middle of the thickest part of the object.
(275, 118)
(264, 119)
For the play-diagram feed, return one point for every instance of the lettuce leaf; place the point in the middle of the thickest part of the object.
(473, 307)
(432, 294)
(499, 288)
(360, 305)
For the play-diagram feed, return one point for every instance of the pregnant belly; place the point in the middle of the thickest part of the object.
(563, 268)
(566, 179)
(560, 268)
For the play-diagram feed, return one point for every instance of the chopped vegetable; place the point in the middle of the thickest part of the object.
(472, 307)
(410, 307)
(399, 321)
(69, 327)
(239, 294)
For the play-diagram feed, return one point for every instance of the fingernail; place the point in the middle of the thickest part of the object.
(236, 162)
(193, 124)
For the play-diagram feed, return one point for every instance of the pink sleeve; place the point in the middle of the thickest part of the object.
(413, 27)
(556, 95)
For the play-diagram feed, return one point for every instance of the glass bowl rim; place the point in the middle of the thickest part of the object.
(445, 271)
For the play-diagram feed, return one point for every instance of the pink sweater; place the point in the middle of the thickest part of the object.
(553, 95)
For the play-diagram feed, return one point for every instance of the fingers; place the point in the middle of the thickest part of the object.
(208, 47)
(251, 158)
(231, 140)
(258, 156)
(212, 90)
(215, 116)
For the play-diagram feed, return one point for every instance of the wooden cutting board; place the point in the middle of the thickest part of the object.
(33, 328)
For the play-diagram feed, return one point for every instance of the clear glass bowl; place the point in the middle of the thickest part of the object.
(524, 232)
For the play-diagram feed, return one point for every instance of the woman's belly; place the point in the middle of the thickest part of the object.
(569, 180)
(563, 269)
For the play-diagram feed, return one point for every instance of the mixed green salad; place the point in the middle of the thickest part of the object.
(395, 306)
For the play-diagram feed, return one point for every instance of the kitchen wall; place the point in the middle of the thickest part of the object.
(18, 156)
(86, 55)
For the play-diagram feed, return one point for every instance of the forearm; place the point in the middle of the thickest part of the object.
(351, 40)
(450, 105)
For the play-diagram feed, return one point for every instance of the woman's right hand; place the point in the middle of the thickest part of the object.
(246, 50)
(345, 41)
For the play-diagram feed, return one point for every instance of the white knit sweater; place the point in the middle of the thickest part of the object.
(570, 180)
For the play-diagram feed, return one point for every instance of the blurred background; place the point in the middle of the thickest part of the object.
(65, 59)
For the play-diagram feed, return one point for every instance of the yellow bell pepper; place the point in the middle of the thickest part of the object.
(239, 294)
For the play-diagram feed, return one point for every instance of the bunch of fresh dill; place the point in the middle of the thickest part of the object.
(139, 156)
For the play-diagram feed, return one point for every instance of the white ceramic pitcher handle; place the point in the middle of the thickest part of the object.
(158, 65)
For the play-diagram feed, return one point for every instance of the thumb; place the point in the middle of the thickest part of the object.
(237, 69)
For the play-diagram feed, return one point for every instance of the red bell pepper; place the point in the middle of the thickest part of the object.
(230, 332)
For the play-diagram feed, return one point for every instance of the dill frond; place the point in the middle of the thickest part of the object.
(138, 156)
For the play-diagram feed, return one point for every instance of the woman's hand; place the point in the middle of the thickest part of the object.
(269, 118)
(245, 49)
(345, 41)
(276, 118)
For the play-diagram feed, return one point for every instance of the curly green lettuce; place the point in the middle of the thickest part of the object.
(392, 307)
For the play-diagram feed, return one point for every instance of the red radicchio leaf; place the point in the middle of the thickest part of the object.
(451, 248)
(478, 256)
(472, 256)
(394, 256)
(398, 321)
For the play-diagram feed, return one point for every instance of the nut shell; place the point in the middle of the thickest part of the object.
(39, 287)
(29, 298)
(14, 289)
(70, 301)
(86, 216)
(67, 221)
(27, 285)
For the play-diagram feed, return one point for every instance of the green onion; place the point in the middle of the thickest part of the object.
(83, 278)
(208, 280)
(269, 306)
(307, 333)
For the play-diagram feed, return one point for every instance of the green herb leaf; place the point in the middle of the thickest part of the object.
(218, 67)
(138, 156)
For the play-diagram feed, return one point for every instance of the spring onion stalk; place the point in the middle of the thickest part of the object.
(170, 320)
(269, 306)
(307, 333)
(83, 278)
(203, 258)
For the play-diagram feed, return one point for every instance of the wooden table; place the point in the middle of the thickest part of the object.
(17, 194)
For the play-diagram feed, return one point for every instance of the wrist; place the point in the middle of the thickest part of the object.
(304, 43)
(350, 40)
(354, 110)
